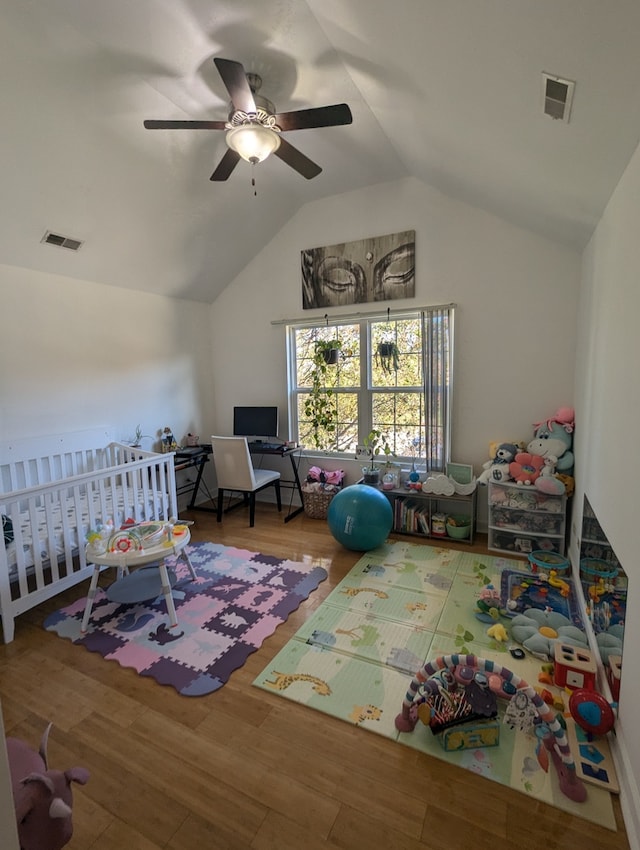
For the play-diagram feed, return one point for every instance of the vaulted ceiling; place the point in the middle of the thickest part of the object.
(447, 92)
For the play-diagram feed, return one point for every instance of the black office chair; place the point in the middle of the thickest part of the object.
(235, 473)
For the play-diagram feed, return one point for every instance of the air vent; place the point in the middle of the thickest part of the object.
(557, 95)
(50, 238)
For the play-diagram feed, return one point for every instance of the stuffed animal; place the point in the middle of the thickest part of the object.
(548, 482)
(553, 438)
(497, 469)
(42, 797)
(525, 468)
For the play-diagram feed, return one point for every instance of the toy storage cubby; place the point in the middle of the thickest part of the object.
(522, 519)
(413, 511)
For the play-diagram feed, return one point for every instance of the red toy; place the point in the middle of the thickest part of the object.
(614, 670)
(574, 667)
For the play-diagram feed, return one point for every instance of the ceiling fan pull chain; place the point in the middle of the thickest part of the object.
(253, 179)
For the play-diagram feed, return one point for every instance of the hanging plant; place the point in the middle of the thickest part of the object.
(320, 405)
(329, 350)
(388, 356)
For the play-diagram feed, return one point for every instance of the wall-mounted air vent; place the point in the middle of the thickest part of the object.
(557, 95)
(50, 238)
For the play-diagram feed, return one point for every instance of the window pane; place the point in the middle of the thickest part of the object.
(343, 437)
(396, 353)
(347, 425)
(400, 416)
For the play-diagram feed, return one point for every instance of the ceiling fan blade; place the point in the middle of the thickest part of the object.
(225, 166)
(321, 116)
(185, 125)
(235, 79)
(297, 160)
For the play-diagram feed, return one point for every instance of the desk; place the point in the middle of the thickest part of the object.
(172, 541)
(294, 455)
(198, 456)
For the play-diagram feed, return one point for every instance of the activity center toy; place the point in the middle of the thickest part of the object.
(360, 517)
(445, 675)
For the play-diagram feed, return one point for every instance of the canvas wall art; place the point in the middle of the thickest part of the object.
(377, 269)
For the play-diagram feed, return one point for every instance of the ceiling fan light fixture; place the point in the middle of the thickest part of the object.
(253, 142)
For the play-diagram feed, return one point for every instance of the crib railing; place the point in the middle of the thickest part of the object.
(50, 520)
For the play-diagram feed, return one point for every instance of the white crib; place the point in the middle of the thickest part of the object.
(49, 501)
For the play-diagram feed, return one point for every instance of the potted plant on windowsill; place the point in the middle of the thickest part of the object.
(320, 405)
(377, 444)
(389, 356)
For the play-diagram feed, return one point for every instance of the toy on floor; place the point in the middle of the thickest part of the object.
(42, 798)
(538, 631)
(522, 591)
(574, 667)
(503, 683)
(614, 671)
(498, 633)
(488, 604)
(360, 517)
(591, 712)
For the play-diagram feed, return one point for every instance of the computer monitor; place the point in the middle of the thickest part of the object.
(261, 422)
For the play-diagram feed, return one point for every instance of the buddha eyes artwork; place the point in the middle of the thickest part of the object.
(380, 268)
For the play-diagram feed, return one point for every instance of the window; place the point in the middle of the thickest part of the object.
(393, 374)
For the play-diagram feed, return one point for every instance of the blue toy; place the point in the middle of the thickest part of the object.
(360, 517)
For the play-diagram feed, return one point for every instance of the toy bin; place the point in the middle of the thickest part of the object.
(316, 502)
(458, 527)
(542, 560)
(593, 569)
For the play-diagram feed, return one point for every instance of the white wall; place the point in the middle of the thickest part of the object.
(517, 297)
(608, 413)
(78, 355)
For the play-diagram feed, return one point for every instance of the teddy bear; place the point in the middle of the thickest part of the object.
(497, 469)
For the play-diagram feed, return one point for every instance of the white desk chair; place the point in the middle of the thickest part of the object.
(235, 473)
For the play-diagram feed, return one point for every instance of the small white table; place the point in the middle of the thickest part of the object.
(173, 542)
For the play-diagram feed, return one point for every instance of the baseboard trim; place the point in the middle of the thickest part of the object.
(629, 791)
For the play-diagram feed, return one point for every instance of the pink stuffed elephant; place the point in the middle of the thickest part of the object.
(42, 797)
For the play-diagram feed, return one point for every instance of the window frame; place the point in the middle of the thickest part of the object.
(366, 391)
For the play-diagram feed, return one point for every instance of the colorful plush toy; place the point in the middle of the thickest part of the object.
(497, 469)
(42, 797)
(553, 438)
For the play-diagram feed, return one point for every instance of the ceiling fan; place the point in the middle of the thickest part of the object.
(254, 128)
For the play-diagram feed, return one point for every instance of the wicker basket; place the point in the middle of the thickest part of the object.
(316, 503)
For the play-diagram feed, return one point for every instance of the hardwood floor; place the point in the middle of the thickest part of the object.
(241, 768)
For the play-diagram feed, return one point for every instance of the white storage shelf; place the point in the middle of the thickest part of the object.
(413, 511)
(522, 519)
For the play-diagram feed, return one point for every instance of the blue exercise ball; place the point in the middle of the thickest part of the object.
(360, 517)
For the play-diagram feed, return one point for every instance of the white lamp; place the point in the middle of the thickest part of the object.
(253, 141)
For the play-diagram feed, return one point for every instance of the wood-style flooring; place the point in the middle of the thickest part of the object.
(241, 768)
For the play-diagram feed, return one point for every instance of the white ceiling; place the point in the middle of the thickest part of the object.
(447, 91)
